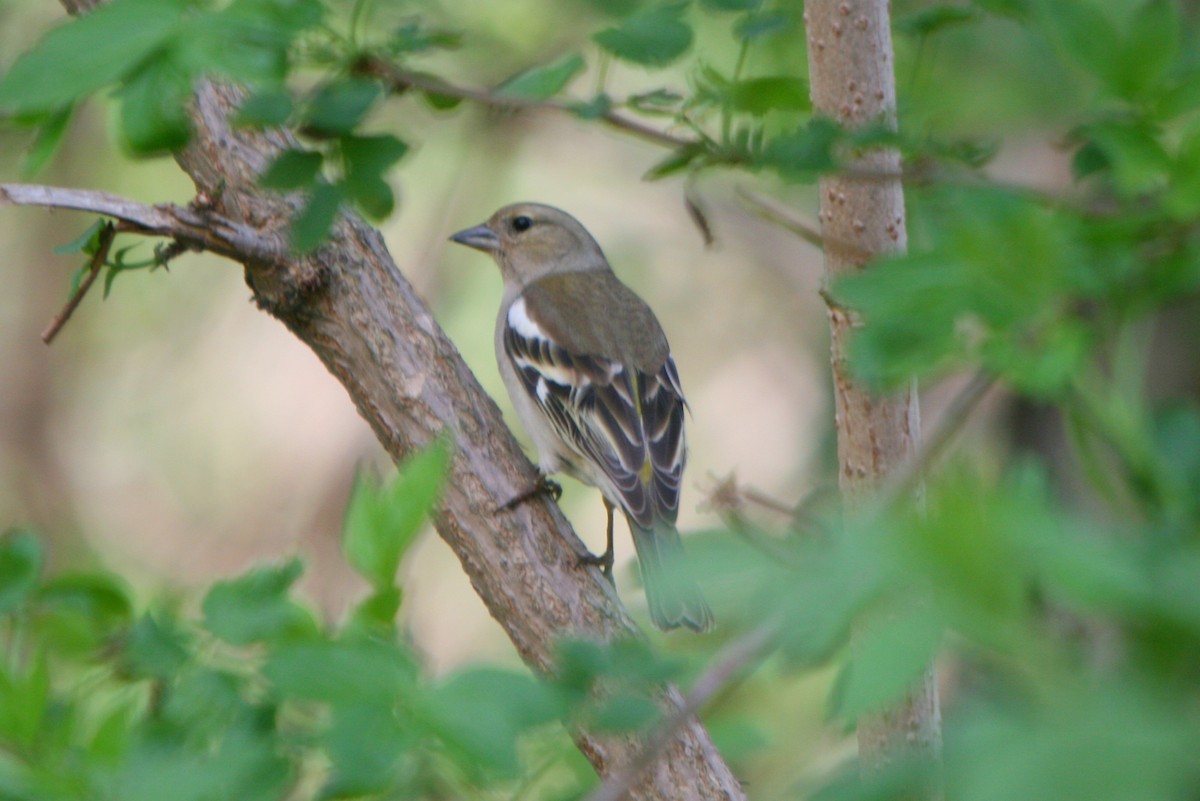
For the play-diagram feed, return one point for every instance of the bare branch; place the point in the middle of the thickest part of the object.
(402, 80)
(107, 233)
(904, 481)
(774, 212)
(720, 675)
(202, 229)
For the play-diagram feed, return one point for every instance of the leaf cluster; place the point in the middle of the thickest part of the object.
(256, 698)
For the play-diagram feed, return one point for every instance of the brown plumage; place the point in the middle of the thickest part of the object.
(591, 376)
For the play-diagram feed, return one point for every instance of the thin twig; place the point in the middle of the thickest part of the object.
(720, 675)
(106, 235)
(773, 212)
(727, 495)
(906, 479)
(401, 80)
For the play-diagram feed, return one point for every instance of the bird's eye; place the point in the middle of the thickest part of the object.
(521, 223)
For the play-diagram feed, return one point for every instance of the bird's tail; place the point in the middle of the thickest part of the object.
(673, 595)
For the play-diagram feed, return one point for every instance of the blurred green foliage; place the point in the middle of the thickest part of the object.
(101, 697)
(1072, 629)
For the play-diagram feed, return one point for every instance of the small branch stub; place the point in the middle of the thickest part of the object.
(106, 234)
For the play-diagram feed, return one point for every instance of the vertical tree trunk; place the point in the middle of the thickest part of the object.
(853, 82)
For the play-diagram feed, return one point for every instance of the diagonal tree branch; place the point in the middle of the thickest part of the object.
(351, 305)
(723, 672)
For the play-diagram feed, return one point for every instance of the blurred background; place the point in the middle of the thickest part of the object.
(177, 434)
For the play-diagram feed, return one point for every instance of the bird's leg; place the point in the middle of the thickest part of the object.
(543, 486)
(605, 560)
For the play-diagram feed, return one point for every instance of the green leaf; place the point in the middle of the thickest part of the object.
(1180, 95)
(154, 109)
(580, 663)
(265, 109)
(371, 155)
(87, 242)
(155, 648)
(652, 37)
(593, 109)
(373, 196)
(763, 24)
(241, 760)
(205, 700)
(280, 16)
(887, 659)
(1019, 10)
(382, 522)
(1149, 50)
(677, 161)
(802, 154)
(731, 5)
(1183, 197)
(1132, 151)
(970, 294)
(292, 169)
(24, 704)
(1084, 34)
(110, 742)
(441, 102)
(376, 614)
(89, 53)
(658, 101)
(338, 107)
(237, 43)
(481, 712)
(366, 159)
(932, 19)
(50, 135)
(757, 96)
(544, 82)
(315, 220)
(415, 37)
(623, 712)
(616, 8)
(21, 561)
(1177, 442)
(367, 746)
(117, 265)
(78, 612)
(367, 671)
(1103, 738)
(256, 607)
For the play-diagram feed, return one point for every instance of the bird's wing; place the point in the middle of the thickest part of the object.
(625, 421)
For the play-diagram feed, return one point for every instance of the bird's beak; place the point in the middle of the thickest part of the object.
(480, 237)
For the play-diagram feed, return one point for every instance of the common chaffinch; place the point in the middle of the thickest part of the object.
(592, 379)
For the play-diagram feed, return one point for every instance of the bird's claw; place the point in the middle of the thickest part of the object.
(604, 561)
(544, 486)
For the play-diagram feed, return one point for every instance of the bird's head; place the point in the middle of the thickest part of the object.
(530, 241)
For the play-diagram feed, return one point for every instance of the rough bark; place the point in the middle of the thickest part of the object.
(853, 82)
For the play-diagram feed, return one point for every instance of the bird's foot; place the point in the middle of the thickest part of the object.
(604, 561)
(544, 486)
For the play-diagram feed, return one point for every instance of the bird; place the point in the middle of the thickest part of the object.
(592, 379)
